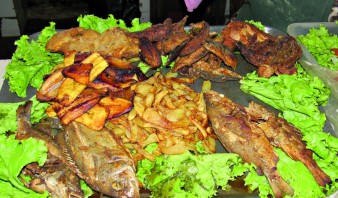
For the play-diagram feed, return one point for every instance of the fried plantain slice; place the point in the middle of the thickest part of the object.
(80, 72)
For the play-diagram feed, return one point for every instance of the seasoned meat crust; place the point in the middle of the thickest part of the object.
(271, 55)
(112, 42)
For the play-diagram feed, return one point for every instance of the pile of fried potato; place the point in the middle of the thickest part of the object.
(86, 88)
(168, 112)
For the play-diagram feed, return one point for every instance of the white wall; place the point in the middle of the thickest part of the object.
(145, 10)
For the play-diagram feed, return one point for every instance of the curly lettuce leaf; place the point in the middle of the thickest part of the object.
(8, 114)
(319, 42)
(100, 25)
(258, 24)
(30, 62)
(296, 96)
(188, 175)
(16, 154)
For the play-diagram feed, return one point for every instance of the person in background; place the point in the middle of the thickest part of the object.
(192, 4)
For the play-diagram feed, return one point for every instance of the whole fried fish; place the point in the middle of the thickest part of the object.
(283, 135)
(237, 134)
(100, 159)
(54, 176)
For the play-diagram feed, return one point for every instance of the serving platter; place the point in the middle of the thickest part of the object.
(231, 89)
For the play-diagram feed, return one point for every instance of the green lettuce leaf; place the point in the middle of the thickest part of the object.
(8, 114)
(16, 154)
(87, 191)
(258, 24)
(100, 25)
(296, 96)
(319, 43)
(30, 62)
(188, 175)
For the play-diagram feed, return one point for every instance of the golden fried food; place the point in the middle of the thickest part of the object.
(285, 136)
(82, 40)
(272, 55)
(168, 112)
(238, 134)
(88, 89)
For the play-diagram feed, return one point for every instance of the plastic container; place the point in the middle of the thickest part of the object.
(309, 63)
(297, 29)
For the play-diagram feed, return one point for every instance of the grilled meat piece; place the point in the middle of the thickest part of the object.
(149, 53)
(272, 55)
(238, 31)
(176, 38)
(238, 134)
(187, 61)
(154, 33)
(207, 71)
(176, 41)
(200, 33)
(201, 55)
(100, 160)
(82, 40)
(55, 175)
(222, 52)
(283, 135)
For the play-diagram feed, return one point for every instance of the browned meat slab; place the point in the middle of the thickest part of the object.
(278, 56)
(283, 135)
(112, 42)
(272, 55)
(237, 134)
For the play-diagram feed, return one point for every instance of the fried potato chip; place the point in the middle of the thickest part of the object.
(167, 112)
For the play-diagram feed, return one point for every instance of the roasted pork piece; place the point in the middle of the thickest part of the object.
(238, 134)
(272, 55)
(75, 152)
(253, 131)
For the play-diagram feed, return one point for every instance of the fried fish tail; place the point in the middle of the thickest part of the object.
(279, 186)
